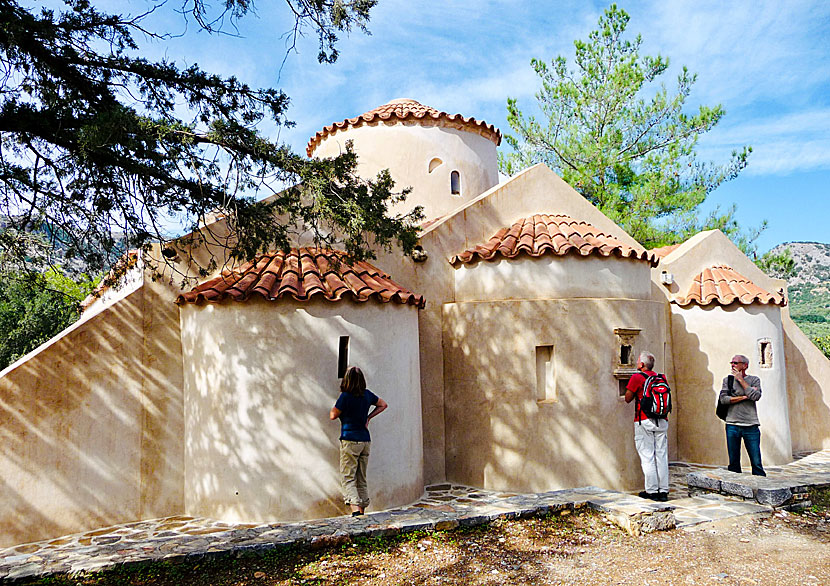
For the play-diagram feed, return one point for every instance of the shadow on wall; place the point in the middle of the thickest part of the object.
(704, 339)
(499, 436)
(255, 431)
(257, 425)
(808, 386)
(85, 425)
(261, 380)
(700, 434)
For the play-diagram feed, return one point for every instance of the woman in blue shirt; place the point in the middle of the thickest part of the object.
(352, 408)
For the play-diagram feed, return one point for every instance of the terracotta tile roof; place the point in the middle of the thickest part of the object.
(664, 251)
(724, 285)
(302, 274)
(406, 110)
(551, 234)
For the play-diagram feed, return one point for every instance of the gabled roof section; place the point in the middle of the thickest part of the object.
(407, 110)
(543, 234)
(723, 285)
(303, 274)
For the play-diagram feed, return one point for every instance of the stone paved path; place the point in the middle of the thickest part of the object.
(443, 506)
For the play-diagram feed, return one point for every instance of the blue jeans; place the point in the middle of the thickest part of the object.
(752, 441)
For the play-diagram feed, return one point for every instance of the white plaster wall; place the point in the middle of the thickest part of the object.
(552, 277)
(407, 149)
(91, 426)
(704, 340)
(534, 190)
(501, 436)
(260, 378)
(808, 387)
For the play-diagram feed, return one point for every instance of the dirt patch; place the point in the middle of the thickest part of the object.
(783, 550)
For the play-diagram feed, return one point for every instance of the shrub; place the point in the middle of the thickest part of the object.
(823, 344)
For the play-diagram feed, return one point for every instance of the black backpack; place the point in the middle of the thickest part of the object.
(656, 401)
(723, 410)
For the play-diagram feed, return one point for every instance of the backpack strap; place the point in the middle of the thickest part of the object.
(637, 407)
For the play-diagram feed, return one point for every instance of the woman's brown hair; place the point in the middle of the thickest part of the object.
(353, 382)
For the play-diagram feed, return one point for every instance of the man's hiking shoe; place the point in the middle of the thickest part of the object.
(660, 497)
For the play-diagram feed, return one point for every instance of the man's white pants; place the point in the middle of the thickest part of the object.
(652, 443)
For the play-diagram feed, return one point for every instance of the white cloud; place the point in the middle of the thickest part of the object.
(789, 156)
(781, 144)
(745, 52)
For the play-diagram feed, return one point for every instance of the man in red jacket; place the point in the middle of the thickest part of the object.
(651, 438)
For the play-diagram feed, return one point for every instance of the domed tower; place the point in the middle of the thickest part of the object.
(446, 159)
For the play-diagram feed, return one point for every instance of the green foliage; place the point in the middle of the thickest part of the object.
(810, 310)
(103, 146)
(823, 344)
(36, 306)
(780, 265)
(631, 155)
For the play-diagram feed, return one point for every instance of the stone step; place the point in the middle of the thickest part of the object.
(782, 490)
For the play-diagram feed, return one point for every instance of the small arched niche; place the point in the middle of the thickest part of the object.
(455, 183)
(434, 164)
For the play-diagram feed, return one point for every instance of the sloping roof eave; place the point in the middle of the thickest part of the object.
(302, 274)
(557, 234)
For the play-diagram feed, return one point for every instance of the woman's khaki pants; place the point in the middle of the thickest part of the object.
(354, 462)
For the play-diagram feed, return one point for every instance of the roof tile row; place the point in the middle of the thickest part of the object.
(723, 285)
(404, 110)
(303, 274)
(551, 234)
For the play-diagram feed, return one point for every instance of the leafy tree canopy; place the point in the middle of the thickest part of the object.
(102, 146)
(623, 143)
(34, 307)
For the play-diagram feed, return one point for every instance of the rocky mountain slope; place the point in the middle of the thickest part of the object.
(812, 262)
(809, 290)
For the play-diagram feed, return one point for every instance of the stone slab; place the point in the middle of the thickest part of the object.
(703, 480)
(773, 496)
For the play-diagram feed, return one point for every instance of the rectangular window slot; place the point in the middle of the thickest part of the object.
(623, 384)
(343, 356)
(625, 354)
(765, 351)
(545, 375)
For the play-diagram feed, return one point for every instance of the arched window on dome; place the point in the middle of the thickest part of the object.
(455, 183)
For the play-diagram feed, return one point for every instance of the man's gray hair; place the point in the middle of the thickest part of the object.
(742, 358)
(647, 358)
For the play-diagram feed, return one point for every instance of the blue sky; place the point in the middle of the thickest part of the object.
(767, 63)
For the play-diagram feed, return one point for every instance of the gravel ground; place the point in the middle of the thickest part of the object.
(783, 550)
